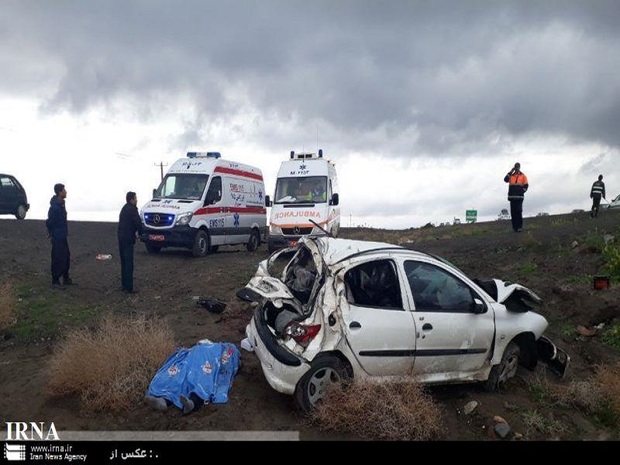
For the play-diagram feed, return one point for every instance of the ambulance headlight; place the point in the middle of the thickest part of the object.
(276, 230)
(184, 218)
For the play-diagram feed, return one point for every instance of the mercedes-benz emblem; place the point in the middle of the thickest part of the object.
(296, 230)
(156, 219)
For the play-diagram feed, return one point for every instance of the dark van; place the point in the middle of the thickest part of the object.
(13, 200)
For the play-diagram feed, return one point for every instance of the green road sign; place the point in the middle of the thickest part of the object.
(471, 216)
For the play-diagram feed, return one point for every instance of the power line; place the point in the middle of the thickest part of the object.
(161, 165)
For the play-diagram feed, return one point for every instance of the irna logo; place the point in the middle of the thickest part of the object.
(31, 431)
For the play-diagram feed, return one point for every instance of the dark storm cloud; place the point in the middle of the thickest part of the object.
(419, 77)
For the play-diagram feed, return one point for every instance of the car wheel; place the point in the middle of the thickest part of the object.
(506, 369)
(253, 241)
(201, 244)
(21, 212)
(150, 248)
(325, 372)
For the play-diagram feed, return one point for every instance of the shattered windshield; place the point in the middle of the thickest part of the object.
(301, 190)
(182, 186)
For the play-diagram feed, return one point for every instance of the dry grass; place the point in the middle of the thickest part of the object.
(385, 411)
(585, 395)
(599, 395)
(608, 377)
(111, 367)
(7, 305)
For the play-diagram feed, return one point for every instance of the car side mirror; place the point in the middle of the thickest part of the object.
(154, 193)
(268, 201)
(335, 199)
(479, 306)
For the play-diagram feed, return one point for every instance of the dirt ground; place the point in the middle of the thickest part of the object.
(556, 256)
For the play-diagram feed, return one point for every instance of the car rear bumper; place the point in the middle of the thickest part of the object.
(282, 377)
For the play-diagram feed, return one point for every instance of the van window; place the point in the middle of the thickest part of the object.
(301, 190)
(214, 194)
(182, 186)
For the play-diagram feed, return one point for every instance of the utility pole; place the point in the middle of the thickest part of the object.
(161, 165)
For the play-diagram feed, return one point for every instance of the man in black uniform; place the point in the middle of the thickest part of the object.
(57, 232)
(129, 224)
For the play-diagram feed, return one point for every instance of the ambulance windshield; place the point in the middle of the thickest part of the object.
(182, 186)
(301, 190)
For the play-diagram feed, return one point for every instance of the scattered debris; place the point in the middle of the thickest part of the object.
(502, 430)
(607, 238)
(212, 304)
(601, 282)
(498, 419)
(584, 331)
(247, 345)
(574, 244)
(103, 256)
(470, 407)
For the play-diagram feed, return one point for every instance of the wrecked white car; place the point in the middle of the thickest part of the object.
(335, 309)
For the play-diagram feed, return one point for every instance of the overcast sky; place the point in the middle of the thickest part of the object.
(423, 105)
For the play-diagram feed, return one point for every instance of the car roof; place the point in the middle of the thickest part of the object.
(335, 250)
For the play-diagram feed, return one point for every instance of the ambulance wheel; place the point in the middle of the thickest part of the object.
(201, 244)
(150, 248)
(253, 241)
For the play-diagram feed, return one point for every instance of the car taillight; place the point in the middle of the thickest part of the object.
(302, 334)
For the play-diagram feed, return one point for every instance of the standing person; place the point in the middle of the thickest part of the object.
(597, 191)
(517, 187)
(57, 232)
(129, 224)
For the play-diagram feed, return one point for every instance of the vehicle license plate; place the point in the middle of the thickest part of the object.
(156, 237)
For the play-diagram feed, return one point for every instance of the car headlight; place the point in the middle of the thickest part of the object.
(184, 218)
(276, 230)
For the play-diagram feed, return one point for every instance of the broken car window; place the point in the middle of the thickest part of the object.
(374, 284)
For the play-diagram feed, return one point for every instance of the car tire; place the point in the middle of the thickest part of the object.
(150, 248)
(20, 214)
(201, 244)
(506, 369)
(253, 241)
(324, 372)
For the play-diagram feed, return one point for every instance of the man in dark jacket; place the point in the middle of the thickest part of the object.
(57, 231)
(596, 193)
(129, 224)
(517, 187)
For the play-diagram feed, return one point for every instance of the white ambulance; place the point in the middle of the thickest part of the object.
(306, 192)
(204, 202)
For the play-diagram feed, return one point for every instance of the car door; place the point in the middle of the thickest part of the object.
(8, 195)
(379, 331)
(454, 322)
(217, 212)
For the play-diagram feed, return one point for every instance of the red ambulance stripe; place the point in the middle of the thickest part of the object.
(245, 174)
(217, 210)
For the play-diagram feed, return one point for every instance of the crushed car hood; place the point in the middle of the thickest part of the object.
(515, 297)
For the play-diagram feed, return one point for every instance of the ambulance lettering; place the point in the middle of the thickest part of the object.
(216, 223)
(302, 214)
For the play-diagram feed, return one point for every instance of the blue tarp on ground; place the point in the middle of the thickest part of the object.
(206, 369)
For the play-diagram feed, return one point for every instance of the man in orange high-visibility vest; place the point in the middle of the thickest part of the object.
(517, 187)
